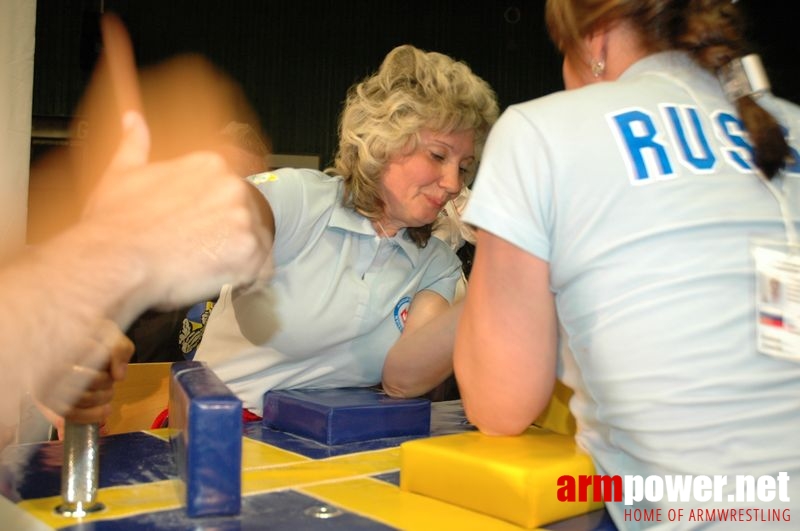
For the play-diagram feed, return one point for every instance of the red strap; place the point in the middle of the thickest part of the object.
(249, 416)
(162, 420)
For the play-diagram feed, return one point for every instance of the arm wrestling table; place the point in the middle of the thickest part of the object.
(288, 482)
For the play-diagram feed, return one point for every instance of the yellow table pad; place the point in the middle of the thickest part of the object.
(512, 478)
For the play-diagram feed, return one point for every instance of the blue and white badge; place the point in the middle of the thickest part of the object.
(401, 312)
(777, 268)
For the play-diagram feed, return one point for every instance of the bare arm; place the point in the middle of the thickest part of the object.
(55, 335)
(505, 350)
(164, 234)
(422, 357)
(187, 226)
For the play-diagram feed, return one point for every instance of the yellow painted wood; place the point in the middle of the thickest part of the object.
(557, 416)
(119, 501)
(257, 454)
(139, 398)
(314, 471)
(378, 500)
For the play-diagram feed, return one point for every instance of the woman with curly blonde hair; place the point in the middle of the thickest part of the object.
(355, 262)
(383, 116)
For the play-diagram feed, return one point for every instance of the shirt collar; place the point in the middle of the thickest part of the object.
(347, 219)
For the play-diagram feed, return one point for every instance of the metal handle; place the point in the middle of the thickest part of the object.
(80, 470)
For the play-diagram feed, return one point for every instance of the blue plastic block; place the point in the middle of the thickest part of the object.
(205, 426)
(338, 416)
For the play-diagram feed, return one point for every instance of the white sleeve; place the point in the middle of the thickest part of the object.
(512, 194)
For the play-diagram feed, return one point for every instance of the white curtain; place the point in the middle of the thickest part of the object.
(17, 40)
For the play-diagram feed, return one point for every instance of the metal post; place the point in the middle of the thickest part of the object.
(80, 470)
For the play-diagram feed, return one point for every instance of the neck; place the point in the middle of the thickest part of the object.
(622, 47)
(382, 231)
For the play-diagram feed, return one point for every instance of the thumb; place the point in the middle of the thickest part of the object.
(134, 147)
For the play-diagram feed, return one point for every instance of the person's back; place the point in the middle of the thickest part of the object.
(653, 274)
(636, 203)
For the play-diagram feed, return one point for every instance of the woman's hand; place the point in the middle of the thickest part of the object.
(84, 392)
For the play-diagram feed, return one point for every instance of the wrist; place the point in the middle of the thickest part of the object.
(103, 273)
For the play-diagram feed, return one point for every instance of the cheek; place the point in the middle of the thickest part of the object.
(425, 173)
(393, 186)
(417, 173)
(404, 182)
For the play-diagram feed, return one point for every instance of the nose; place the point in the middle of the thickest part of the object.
(451, 180)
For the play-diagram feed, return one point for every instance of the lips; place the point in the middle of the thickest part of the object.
(438, 204)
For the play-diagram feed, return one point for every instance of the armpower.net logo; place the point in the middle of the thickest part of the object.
(695, 497)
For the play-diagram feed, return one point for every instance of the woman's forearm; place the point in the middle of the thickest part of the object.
(423, 357)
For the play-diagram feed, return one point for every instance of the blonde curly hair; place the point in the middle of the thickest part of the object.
(384, 114)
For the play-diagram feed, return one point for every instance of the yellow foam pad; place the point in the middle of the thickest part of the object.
(557, 416)
(512, 478)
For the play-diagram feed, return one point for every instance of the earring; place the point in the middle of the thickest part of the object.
(598, 67)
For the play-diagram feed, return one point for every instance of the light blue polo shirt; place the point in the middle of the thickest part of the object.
(340, 292)
(640, 195)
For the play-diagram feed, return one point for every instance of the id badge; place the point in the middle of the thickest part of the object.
(777, 268)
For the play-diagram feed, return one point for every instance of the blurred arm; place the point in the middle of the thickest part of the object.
(147, 229)
(254, 305)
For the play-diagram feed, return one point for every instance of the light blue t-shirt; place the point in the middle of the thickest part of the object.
(640, 195)
(340, 294)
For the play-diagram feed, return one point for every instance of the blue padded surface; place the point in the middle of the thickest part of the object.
(205, 421)
(34, 470)
(339, 416)
(274, 511)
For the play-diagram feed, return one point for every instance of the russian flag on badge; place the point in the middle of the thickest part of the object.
(771, 319)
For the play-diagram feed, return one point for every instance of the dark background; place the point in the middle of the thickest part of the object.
(295, 59)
